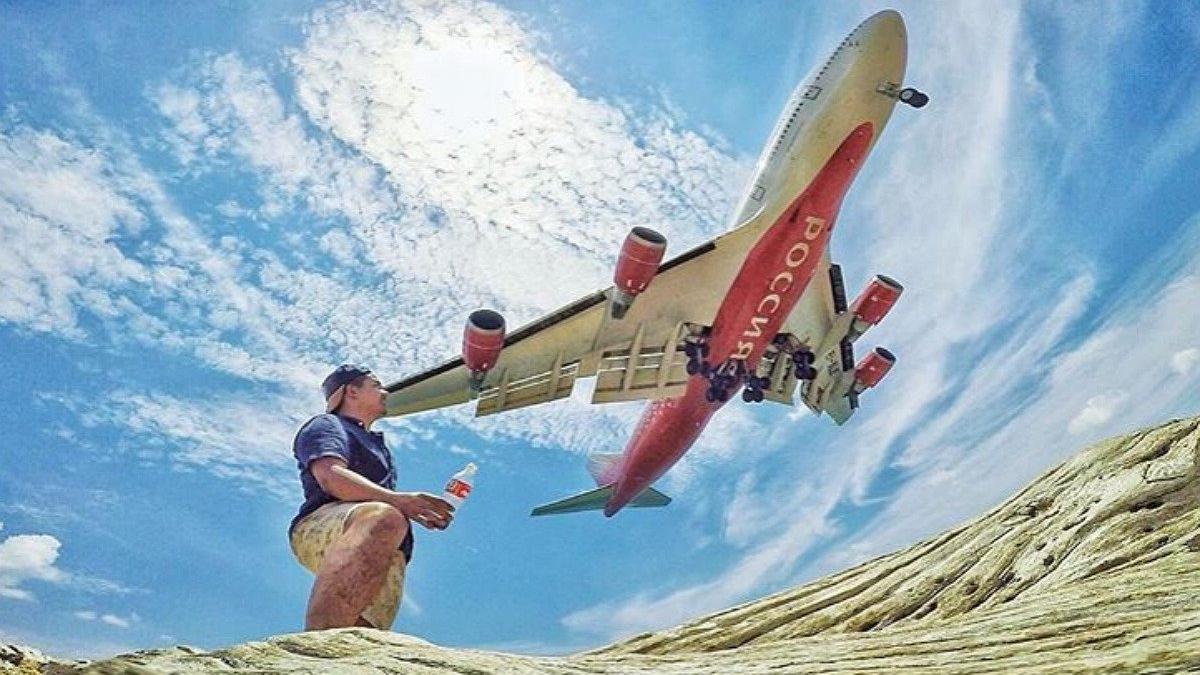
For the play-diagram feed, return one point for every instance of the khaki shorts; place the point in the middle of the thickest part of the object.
(313, 535)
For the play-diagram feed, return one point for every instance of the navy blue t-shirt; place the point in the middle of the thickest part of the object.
(364, 452)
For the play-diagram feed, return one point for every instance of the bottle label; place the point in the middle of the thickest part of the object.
(458, 488)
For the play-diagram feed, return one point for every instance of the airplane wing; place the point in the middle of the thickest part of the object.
(637, 357)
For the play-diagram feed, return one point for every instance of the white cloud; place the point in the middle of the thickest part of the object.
(990, 382)
(1097, 412)
(59, 218)
(769, 561)
(28, 557)
(113, 620)
(421, 220)
(107, 618)
(1133, 346)
(33, 557)
(1183, 361)
(522, 208)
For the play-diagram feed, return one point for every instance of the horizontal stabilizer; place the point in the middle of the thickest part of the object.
(595, 500)
(650, 497)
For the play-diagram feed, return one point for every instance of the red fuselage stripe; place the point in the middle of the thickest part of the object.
(769, 284)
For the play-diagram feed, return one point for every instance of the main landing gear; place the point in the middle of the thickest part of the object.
(724, 378)
(802, 357)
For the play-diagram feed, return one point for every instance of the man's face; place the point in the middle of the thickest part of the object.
(369, 395)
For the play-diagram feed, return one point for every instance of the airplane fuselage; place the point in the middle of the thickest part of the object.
(823, 136)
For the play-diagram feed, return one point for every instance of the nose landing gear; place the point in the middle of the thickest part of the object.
(916, 99)
(908, 95)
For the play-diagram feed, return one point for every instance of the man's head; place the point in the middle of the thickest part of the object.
(354, 391)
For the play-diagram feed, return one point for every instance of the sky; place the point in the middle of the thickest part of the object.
(205, 207)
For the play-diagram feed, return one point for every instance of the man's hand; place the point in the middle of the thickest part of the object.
(431, 512)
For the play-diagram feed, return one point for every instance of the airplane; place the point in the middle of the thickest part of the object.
(761, 308)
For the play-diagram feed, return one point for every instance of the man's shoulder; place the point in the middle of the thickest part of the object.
(323, 423)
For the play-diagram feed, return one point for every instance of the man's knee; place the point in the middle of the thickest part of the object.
(382, 521)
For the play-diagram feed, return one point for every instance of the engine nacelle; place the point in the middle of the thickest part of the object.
(873, 304)
(483, 338)
(641, 254)
(871, 369)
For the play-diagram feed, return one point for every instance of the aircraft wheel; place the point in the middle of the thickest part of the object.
(763, 382)
(748, 395)
(913, 97)
(693, 366)
(758, 396)
(806, 357)
(690, 350)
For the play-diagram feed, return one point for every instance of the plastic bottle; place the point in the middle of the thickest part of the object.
(459, 485)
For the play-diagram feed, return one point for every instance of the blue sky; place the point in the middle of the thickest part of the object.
(204, 208)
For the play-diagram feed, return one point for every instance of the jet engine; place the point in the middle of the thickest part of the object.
(871, 369)
(873, 304)
(640, 256)
(483, 338)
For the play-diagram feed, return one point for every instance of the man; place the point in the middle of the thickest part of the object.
(353, 529)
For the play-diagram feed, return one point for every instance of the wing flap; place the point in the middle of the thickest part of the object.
(642, 371)
(555, 383)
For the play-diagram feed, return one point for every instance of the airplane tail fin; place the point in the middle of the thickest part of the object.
(601, 465)
(595, 500)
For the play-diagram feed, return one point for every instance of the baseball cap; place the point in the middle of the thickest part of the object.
(334, 386)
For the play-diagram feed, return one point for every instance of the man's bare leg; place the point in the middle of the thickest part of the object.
(354, 566)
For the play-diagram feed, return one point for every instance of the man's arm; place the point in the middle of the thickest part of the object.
(338, 480)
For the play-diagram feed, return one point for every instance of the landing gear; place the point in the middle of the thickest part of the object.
(804, 358)
(695, 347)
(907, 95)
(725, 377)
(916, 99)
(752, 395)
(716, 394)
